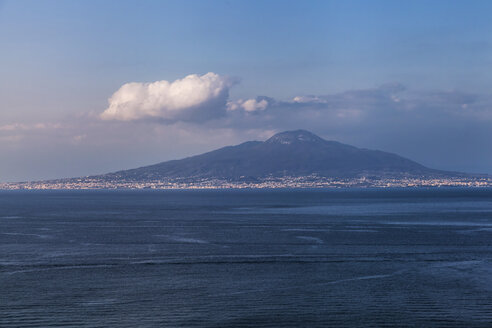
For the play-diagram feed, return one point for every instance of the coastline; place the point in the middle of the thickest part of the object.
(94, 183)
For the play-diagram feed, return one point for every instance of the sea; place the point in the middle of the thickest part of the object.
(246, 258)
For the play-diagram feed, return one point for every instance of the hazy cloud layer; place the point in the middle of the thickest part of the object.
(201, 98)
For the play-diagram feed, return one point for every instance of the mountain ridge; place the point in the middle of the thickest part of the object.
(290, 159)
(289, 153)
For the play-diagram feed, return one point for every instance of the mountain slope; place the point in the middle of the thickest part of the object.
(291, 153)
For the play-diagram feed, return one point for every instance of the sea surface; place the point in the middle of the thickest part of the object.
(246, 258)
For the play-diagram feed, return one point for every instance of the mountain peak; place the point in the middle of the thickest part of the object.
(296, 136)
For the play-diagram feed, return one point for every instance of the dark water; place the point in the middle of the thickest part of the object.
(358, 258)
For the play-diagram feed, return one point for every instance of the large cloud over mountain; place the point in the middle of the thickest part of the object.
(193, 98)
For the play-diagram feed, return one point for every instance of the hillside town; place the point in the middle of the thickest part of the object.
(311, 181)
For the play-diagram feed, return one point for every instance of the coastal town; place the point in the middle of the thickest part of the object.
(312, 181)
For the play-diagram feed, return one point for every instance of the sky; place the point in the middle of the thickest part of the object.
(90, 87)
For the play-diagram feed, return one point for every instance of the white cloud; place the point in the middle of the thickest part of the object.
(193, 98)
(249, 105)
(17, 127)
(307, 99)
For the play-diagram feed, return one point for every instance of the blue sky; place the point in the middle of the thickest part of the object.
(411, 77)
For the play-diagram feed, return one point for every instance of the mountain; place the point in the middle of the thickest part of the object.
(291, 153)
(291, 159)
